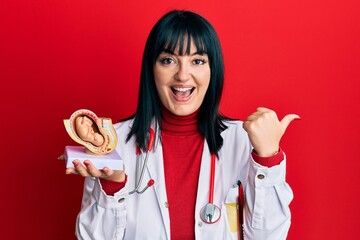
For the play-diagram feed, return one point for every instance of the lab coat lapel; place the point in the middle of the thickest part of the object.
(156, 171)
(204, 180)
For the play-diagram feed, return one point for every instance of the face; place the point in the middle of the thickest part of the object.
(87, 131)
(182, 81)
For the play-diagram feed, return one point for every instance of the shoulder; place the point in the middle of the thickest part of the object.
(234, 133)
(123, 125)
(234, 127)
(122, 130)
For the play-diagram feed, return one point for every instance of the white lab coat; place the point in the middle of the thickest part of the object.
(146, 216)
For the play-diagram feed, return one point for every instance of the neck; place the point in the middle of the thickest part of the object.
(179, 125)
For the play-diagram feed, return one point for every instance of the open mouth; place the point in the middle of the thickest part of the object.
(182, 93)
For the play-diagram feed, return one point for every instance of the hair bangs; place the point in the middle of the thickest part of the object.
(178, 38)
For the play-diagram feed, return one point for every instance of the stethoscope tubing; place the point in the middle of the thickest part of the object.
(212, 178)
(138, 182)
(139, 179)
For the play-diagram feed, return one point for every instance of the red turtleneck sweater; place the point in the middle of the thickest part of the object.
(182, 150)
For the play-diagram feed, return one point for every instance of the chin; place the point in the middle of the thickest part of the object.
(183, 111)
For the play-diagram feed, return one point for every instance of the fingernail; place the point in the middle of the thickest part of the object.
(105, 170)
(86, 164)
(76, 163)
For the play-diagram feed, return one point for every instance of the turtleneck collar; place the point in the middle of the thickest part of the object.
(178, 125)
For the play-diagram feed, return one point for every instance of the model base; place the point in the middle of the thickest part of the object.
(111, 160)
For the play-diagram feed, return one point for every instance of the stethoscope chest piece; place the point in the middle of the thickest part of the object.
(210, 213)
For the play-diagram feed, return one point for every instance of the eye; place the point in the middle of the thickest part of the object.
(199, 61)
(166, 60)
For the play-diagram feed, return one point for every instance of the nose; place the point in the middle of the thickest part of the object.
(183, 72)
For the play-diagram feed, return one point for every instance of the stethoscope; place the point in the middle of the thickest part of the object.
(210, 213)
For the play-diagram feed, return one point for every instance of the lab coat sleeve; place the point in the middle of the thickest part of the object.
(267, 213)
(101, 216)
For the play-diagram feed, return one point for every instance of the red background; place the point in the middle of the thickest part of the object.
(292, 56)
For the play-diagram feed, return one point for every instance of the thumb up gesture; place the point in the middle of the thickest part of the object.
(265, 130)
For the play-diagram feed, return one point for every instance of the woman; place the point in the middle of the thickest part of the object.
(180, 89)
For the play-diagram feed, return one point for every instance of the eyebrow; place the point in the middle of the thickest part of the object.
(193, 54)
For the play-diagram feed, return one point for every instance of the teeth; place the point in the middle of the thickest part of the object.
(182, 89)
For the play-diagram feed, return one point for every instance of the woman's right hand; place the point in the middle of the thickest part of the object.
(89, 170)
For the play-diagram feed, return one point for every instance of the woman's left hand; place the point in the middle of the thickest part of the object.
(265, 130)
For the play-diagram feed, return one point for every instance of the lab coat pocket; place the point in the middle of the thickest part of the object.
(232, 212)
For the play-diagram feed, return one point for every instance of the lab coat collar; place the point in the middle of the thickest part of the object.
(157, 131)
